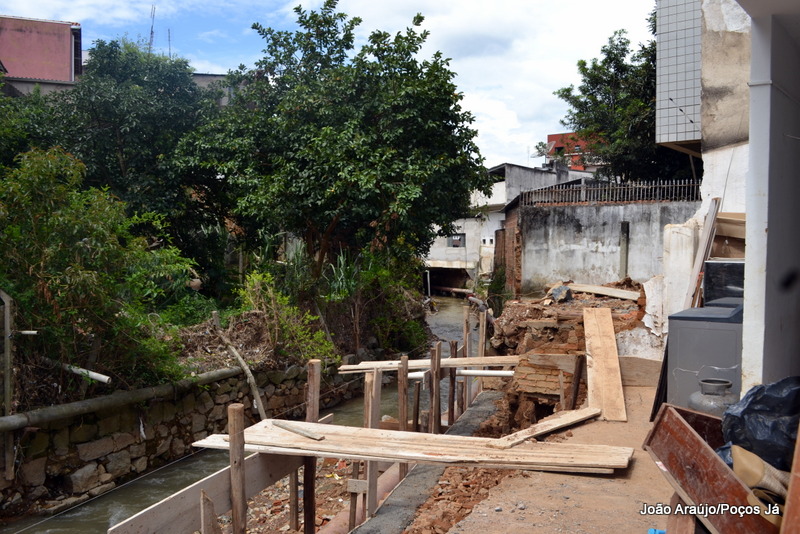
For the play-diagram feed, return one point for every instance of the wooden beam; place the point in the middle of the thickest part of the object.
(424, 364)
(467, 356)
(605, 291)
(552, 423)
(435, 404)
(451, 392)
(394, 446)
(577, 376)
(238, 494)
(703, 250)
(602, 362)
(314, 371)
(402, 404)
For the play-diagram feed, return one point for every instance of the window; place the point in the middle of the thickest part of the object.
(457, 240)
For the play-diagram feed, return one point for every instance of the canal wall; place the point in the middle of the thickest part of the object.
(61, 460)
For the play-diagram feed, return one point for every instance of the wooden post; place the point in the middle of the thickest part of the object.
(8, 349)
(436, 400)
(451, 393)
(577, 375)
(238, 495)
(314, 368)
(294, 504)
(481, 348)
(415, 417)
(354, 496)
(372, 413)
(209, 524)
(461, 392)
(402, 404)
(467, 349)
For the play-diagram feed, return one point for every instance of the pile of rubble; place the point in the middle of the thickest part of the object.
(540, 330)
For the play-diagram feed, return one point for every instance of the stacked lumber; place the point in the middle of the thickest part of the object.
(393, 446)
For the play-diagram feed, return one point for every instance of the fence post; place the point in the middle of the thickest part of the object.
(8, 330)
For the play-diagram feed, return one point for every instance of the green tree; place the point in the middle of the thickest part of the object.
(124, 120)
(79, 275)
(347, 149)
(613, 110)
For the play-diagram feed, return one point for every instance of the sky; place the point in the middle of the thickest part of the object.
(509, 57)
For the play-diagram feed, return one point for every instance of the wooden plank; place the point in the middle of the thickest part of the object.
(386, 445)
(413, 365)
(697, 474)
(299, 431)
(704, 248)
(639, 371)
(582, 462)
(545, 426)
(605, 291)
(562, 362)
(602, 365)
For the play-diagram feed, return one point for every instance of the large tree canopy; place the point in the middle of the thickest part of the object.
(613, 111)
(346, 148)
(124, 120)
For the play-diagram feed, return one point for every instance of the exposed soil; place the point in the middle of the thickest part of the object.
(269, 510)
(249, 332)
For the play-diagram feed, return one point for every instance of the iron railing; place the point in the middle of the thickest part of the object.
(597, 192)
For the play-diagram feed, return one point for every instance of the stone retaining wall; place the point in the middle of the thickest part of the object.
(65, 462)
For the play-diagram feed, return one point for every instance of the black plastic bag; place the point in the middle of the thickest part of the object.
(765, 422)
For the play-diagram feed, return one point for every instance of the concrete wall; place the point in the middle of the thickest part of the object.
(66, 462)
(726, 55)
(582, 243)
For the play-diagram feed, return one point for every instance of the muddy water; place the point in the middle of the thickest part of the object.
(447, 324)
(101, 513)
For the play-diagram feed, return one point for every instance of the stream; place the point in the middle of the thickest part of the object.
(101, 513)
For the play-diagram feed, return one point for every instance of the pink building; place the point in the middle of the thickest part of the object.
(39, 50)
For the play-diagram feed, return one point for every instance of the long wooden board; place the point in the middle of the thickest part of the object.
(180, 512)
(385, 445)
(545, 426)
(602, 365)
(605, 291)
(447, 363)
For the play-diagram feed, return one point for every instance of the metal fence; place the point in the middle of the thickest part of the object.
(572, 193)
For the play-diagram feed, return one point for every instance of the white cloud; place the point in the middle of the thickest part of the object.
(509, 55)
(212, 36)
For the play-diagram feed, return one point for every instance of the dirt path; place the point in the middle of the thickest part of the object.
(537, 502)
